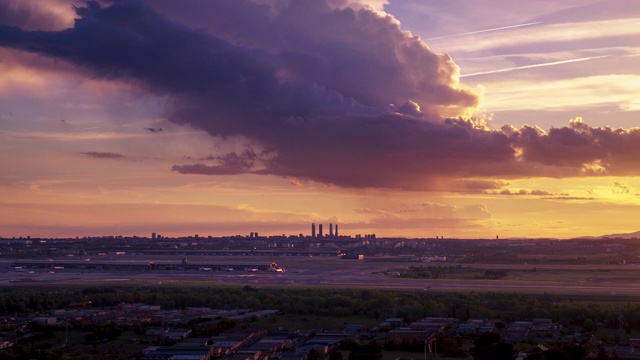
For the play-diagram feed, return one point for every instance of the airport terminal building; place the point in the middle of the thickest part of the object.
(144, 265)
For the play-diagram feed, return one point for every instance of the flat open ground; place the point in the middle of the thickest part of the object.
(335, 273)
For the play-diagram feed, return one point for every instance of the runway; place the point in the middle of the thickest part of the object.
(331, 272)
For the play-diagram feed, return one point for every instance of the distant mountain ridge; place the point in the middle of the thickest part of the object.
(619, 236)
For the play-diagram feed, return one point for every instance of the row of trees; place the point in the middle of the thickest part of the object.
(336, 302)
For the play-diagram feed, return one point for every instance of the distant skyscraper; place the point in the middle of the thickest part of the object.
(336, 230)
(313, 230)
(153, 235)
(330, 229)
(320, 230)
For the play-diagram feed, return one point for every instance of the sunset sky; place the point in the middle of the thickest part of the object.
(413, 118)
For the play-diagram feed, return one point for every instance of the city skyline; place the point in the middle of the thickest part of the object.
(400, 118)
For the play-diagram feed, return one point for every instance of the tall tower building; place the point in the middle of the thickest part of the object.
(330, 229)
(319, 230)
(336, 230)
(313, 230)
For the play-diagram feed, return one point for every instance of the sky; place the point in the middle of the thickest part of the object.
(409, 118)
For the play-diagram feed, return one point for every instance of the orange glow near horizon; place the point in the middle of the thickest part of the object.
(464, 126)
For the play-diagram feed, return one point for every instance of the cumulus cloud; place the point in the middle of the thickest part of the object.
(103, 155)
(330, 90)
(579, 149)
(566, 197)
(202, 169)
(249, 161)
(410, 108)
(535, 192)
(619, 187)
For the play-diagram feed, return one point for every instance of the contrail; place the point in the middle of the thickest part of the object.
(486, 30)
(534, 66)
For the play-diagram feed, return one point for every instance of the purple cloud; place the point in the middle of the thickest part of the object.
(333, 94)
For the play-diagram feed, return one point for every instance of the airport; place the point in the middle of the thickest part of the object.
(141, 265)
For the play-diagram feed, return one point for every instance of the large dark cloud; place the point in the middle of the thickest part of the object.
(334, 94)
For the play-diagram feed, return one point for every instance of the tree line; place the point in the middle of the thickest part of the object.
(367, 303)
